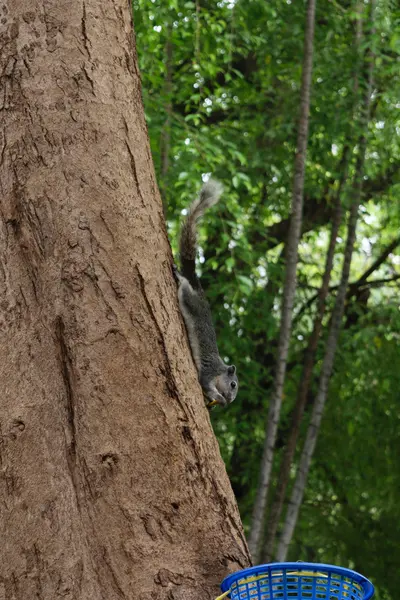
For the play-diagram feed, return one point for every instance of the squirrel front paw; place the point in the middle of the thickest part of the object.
(211, 404)
(216, 398)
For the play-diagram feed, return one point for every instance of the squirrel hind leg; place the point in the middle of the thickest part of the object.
(179, 278)
(185, 289)
(175, 272)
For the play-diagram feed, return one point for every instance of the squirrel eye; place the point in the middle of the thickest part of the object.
(233, 384)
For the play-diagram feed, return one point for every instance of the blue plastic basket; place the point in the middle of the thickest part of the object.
(296, 581)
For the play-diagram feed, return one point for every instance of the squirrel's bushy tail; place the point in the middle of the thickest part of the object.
(209, 195)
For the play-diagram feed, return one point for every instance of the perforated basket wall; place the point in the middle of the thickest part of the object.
(297, 581)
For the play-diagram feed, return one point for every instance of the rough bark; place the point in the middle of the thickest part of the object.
(289, 287)
(111, 482)
(333, 337)
(306, 376)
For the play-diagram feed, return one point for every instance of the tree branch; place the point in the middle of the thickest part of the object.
(380, 260)
(362, 280)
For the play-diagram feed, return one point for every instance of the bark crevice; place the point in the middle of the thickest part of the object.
(66, 371)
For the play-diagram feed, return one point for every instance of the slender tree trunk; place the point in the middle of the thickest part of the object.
(309, 360)
(165, 144)
(111, 482)
(289, 288)
(312, 432)
(332, 341)
(306, 376)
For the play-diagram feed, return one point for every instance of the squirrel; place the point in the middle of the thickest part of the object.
(219, 381)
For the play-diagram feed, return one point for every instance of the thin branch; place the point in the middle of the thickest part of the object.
(380, 260)
(362, 280)
(376, 282)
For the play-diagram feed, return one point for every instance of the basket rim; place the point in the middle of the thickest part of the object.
(367, 586)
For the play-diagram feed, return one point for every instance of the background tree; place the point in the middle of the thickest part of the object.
(338, 310)
(289, 289)
(235, 102)
(310, 352)
(111, 481)
(304, 382)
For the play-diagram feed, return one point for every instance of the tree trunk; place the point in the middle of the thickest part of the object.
(309, 360)
(306, 376)
(289, 289)
(165, 140)
(312, 432)
(332, 341)
(111, 482)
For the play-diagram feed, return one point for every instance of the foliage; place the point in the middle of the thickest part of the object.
(235, 89)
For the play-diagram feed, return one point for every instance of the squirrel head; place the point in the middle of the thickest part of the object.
(227, 384)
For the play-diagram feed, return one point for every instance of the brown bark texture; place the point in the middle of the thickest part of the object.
(111, 482)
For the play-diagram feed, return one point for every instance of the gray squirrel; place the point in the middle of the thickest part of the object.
(218, 381)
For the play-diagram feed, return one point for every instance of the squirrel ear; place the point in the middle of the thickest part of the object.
(231, 370)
